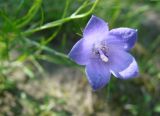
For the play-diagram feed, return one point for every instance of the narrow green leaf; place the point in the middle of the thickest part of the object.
(30, 14)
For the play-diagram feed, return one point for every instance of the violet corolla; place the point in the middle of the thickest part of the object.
(105, 51)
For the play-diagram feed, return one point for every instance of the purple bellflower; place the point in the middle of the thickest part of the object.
(105, 51)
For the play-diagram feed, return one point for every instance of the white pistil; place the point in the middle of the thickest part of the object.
(103, 57)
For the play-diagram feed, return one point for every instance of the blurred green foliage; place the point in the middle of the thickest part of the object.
(39, 30)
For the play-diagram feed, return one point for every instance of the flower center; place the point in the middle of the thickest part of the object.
(100, 51)
(102, 56)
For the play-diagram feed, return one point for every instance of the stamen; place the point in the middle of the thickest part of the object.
(103, 57)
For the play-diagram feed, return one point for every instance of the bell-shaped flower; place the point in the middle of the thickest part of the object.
(105, 51)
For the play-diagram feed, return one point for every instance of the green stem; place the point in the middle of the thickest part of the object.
(61, 21)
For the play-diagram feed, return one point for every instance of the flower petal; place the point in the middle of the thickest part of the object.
(95, 26)
(127, 36)
(80, 52)
(98, 74)
(130, 72)
(123, 65)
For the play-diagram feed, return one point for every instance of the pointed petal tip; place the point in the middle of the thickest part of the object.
(93, 16)
(69, 55)
(97, 88)
(135, 74)
(98, 18)
(136, 30)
